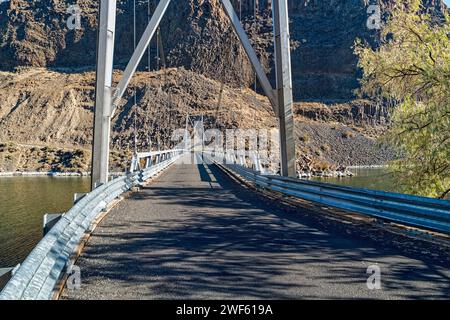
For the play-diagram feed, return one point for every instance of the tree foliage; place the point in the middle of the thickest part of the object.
(412, 67)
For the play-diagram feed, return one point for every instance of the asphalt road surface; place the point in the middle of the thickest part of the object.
(194, 233)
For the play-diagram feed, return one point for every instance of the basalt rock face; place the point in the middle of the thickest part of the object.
(324, 66)
(196, 34)
(34, 33)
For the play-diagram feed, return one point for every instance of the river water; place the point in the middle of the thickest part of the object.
(23, 203)
(367, 178)
(25, 200)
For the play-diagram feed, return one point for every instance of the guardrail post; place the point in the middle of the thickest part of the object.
(50, 219)
(222, 157)
(78, 196)
(257, 161)
(6, 274)
(133, 166)
(241, 160)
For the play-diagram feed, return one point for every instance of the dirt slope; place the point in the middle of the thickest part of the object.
(42, 108)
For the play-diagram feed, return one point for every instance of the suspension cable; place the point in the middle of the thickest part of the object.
(158, 122)
(255, 13)
(149, 16)
(149, 136)
(135, 88)
(240, 45)
(255, 35)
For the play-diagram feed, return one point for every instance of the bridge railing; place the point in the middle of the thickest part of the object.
(38, 275)
(422, 212)
(152, 158)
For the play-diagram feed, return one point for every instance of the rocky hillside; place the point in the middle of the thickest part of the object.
(46, 119)
(47, 82)
(196, 35)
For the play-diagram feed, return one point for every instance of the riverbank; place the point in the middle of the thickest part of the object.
(325, 174)
(343, 172)
(377, 166)
(54, 174)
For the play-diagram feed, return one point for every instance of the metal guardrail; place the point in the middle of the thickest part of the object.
(38, 275)
(422, 212)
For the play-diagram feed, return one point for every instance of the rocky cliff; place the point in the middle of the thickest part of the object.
(196, 35)
(47, 86)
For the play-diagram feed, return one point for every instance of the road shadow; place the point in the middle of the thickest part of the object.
(226, 242)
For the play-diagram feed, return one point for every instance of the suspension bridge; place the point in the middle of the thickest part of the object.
(198, 221)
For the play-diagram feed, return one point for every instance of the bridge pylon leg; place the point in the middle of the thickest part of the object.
(284, 87)
(103, 96)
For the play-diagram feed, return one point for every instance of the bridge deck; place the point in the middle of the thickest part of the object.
(194, 233)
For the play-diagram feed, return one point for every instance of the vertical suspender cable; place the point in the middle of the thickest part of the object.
(157, 51)
(158, 68)
(149, 139)
(255, 30)
(149, 16)
(240, 45)
(135, 88)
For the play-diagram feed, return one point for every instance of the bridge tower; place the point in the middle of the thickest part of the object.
(107, 97)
